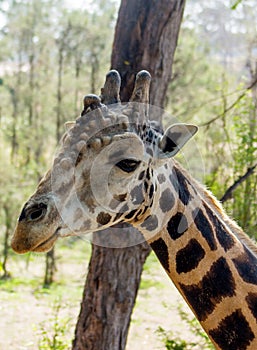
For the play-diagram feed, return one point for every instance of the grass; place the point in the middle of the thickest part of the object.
(31, 310)
(150, 278)
(151, 263)
(13, 285)
(147, 282)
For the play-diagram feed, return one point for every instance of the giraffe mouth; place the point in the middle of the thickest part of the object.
(46, 245)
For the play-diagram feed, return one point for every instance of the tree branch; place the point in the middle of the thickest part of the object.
(229, 192)
(232, 105)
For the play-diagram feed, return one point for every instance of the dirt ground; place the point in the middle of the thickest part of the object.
(27, 311)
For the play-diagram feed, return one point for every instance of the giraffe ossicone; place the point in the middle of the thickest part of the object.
(115, 165)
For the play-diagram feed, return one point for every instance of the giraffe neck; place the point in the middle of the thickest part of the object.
(203, 253)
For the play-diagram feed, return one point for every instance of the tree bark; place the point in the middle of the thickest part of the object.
(50, 268)
(145, 38)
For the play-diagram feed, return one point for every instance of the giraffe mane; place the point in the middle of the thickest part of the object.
(215, 204)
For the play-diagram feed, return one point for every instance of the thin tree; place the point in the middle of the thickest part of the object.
(8, 228)
(145, 38)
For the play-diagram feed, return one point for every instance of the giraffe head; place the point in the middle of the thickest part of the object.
(105, 170)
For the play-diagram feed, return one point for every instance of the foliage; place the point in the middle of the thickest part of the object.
(244, 204)
(195, 327)
(214, 86)
(52, 331)
(48, 55)
(235, 4)
(193, 92)
(174, 342)
(236, 153)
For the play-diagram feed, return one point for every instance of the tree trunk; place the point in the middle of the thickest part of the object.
(15, 96)
(50, 268)
(59, 95)
(146, 37)
(6, 273)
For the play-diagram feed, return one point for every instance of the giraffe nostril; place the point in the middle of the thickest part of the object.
(37, 212)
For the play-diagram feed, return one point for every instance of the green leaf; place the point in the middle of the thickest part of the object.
(234, 6)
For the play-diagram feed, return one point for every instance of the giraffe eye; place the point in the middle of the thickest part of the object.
(128, 165)
(37, 212)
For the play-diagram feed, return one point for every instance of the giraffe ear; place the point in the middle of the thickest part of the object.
(174, 138)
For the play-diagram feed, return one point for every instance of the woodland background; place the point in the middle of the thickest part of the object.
(53, 52)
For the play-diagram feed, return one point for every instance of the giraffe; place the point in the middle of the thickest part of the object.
(114, 165)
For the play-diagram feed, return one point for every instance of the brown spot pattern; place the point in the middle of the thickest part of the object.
(161, 250)
(233, 332)
(204, 227)
(137, 194)
(180, 184)
(189, 257)
(167, 200)
(151, 223)
(161, 178)
(251, 300)
(246, 265)
(217, 284)
(177, 226)
(225, 240)
(103, 218)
